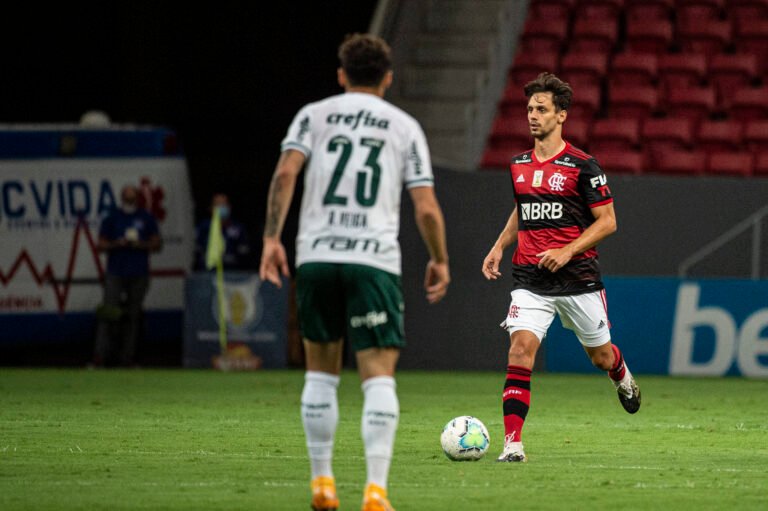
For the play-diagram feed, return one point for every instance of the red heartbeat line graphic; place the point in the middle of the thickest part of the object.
(61, 287)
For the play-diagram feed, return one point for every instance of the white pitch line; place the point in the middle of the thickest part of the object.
(662, 469)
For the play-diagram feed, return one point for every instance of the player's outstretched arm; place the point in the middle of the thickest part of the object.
(274, 262)
(507, 237)
(431, 224)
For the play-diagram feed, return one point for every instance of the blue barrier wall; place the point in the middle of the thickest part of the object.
(707, 327)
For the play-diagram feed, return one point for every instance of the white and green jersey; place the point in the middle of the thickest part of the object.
(361, 150)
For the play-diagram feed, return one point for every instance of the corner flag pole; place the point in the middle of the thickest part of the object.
(214, 257)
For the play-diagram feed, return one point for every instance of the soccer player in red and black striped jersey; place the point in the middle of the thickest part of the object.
(563, 209)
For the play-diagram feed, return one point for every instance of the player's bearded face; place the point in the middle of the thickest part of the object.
(543, 119)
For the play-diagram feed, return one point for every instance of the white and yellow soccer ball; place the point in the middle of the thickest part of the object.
(465, 438)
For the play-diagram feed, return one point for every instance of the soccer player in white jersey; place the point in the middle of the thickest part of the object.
(359, 152)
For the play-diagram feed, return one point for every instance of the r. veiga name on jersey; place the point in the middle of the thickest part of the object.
(354, 120)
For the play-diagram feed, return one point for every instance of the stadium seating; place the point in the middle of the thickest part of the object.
(624, 162)
(664, 135)
(599, 9)
(584, 69)
(631, 68)
(632, 102)
(682, 69)
(704, 36)
(698, 10)
(719, 136)
(586, 103)
(528, 65)
(576, 131)
(675, 85)
(751, 36)
(544, 35)
(552, 9)
(594, 35)
(741, 10)
(729, 163)
(730, 72)
(690, 163)
(749, 104)
(496, 158)
(513, 102)
(695, 103)
(756, 135)
(614, 135)
(510, 133)
(761, 164)
(649, 11)
(649, 37)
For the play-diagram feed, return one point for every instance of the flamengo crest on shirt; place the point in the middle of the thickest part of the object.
(556, 182)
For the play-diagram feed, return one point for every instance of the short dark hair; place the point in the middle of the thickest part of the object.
(365, 59)
(547, 82)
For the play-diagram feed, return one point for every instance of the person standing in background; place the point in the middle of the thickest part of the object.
(128, 235)
(237, 251)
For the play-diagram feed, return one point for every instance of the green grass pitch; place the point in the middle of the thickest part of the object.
(175, 439)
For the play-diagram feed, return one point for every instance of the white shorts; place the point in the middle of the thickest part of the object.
(585, 314)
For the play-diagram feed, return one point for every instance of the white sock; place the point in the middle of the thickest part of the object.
(381, 412)
(320, 415)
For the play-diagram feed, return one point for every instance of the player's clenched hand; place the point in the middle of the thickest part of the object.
(436, 280)
(274, 262)
(554, 258)
(491, 263)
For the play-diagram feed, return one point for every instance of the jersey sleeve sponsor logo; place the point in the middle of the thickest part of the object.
(415, 158)
(600, 183)
(362, 117)
(303, 129)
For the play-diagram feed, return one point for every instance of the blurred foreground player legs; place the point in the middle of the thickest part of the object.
(564, 208)
(359, 152)
(128, 235)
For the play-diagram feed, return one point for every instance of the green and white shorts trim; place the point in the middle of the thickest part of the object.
(360, 303)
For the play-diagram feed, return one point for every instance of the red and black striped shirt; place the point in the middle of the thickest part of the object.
(554, 200)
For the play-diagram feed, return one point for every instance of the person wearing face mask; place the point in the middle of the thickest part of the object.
(237, 252)
(128, 235)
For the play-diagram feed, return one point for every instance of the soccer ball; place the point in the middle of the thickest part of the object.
(465, 438)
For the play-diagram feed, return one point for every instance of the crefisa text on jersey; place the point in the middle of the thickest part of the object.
(354, 120)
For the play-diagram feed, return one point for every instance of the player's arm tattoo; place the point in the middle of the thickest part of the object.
(274, 208)
(281, 191)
